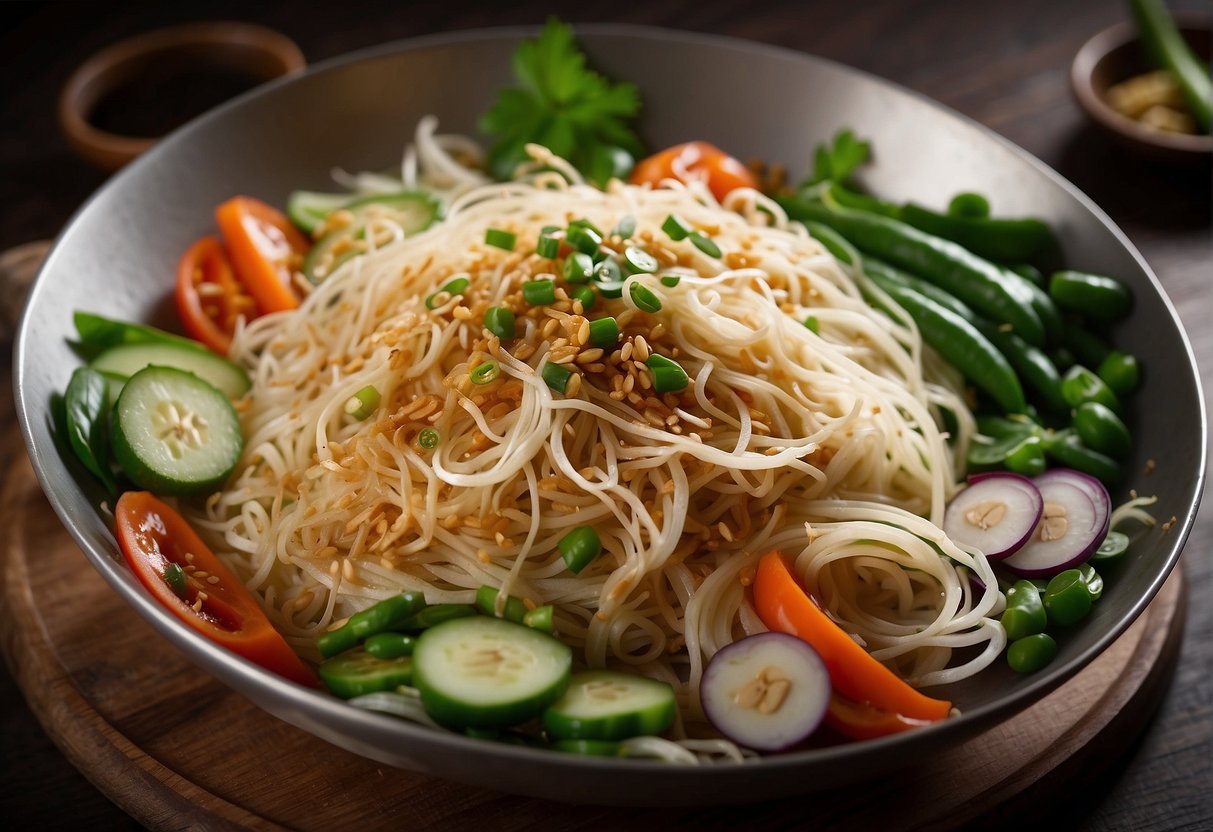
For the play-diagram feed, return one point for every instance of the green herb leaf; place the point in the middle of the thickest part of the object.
(565, 106)
(87, 408)
(836, 162)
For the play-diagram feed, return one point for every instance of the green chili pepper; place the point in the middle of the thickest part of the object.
(879, 271)
(485, 373)
(645, 299)
(863, 202)
(539, 292)
(548, 247)
(1031, 653)
(1120, 371)
(583, 236)
(1167, 49)
(1002, 240)
(638, 261)
(705, 244)
(978, 282)
(1067, 598)
(676, 227)
(363, 403)
(1090, 295)
(668, 375)
(500, 238)
(1025, 614)
(1102, 430)
(429, 438)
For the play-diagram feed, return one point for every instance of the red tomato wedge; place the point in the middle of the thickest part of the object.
(785, 607)
(265, 249)
(152, 537)
(860, 721)
(695, 161)
(209, 297)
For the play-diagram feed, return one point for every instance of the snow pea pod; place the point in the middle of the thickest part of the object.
(1005, 240)
(974, 280)
(1102, 430)
(1091, 295)
(1065, 447)
(1033, 366)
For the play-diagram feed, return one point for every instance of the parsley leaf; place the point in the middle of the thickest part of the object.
(563, 105)
(838, 161)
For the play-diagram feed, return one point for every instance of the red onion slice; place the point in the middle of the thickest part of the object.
(1074, 523)
(766, 692)
(996, 513)
(1094, 488)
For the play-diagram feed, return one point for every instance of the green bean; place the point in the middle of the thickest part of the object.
(1080, 385)
(1027, 458)
(1067, 599)
(1031, 653)
(1029, 272)
(1067, 449)
(1120, 371)
(878, 270)
(436, 614)
(1091, 295)
(1089, 348)
(978, 282)
(388, 614)
(1168, 49)
(1030, 362)
(1025, 613)
(971, 205)
(389, 645)
(486, 601)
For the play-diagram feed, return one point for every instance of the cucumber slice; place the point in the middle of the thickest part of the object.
(486, 672)
(123, 361)
(608, 705)
(413, 211)
(357, 673)
(307, 209)
(174, 433)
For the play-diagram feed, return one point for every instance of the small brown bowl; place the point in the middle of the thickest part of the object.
(1115, 55)
(224, 47)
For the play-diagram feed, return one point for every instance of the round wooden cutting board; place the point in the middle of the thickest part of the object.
(175, 748)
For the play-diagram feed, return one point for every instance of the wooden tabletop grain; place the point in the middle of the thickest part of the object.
(1003, 64)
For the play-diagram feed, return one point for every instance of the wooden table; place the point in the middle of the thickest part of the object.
(1003, 64)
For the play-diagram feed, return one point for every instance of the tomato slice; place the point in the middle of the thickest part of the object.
(863, 721)
(266, 250)
(153, 537)
(695, 161)
(209, 297)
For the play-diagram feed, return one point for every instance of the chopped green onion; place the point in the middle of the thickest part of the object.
(705, 244)
(638, 261)
(644, 298)
(675, 227)
(668, 376)
(500, 321)
(363, 403)
(174, 576)
(611, 290)
(584, 238)
(608, 271)
(578, 268)
(549, 230)
(455, 286)
(429, 439)
(556, 376)
(583, 222)
(579, 547)
(500, 238)
(604, 333)
(671, 280)
(812, 325)
(625, 228)
(587, 297)
(539, 618)
(485, 373)
(512, 610)
(547, 247)
(539, 292)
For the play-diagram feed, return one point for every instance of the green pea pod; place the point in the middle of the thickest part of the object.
(1102, 430)
(1042, 305)
(1067, 449)
(863, 202)
(1004, 240)
(1091, 295)
(1120, 371)
(963, 347)
(833, 242)
(977, 282)
(86, 406)
(434, 615)
(1168, 49)
(1033, 366)
(1025, 614)
(880, 271)
(1080, 385)
(386, 615)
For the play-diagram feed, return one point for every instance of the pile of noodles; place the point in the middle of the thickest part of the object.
(823, 441)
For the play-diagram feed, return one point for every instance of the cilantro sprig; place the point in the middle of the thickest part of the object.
(565, 106)
(837, 161)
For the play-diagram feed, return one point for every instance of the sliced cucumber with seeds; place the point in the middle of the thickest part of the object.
(413, 211)
(121, 362)
(174, 433)
(357, 673)
(609, 705)
(486, 672)
(307, 209)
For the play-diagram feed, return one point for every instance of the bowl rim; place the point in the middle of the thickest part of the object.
(1095, 50)
(295, 701)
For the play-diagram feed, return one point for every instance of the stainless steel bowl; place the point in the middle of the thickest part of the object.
(118, 255)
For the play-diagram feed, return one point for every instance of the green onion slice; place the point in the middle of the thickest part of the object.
(579, 547)
(501, 238)
(500, 321)
(705, 244)
(671, 280)
(646, 299)
(625, 228)
(547, 247)
(556, 376)
(485, 373)
(812, 325)
(587, 297)
(639, 261)
(539, 292)
(429, 438)
(363, 403)
(676, 227)
(578, 268)
(174, 576)
(668, 375)
(455, 286)
(583, 236)
(604, 333)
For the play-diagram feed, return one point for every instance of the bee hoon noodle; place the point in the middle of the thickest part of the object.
(824, 444)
